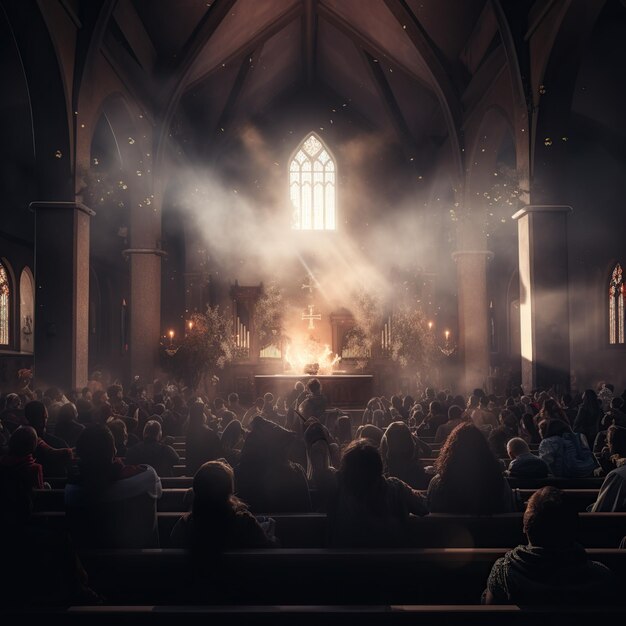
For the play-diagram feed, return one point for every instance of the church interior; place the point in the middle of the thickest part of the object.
(172, 127)
(389, 195)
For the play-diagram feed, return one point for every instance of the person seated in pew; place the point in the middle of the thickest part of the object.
(612, 495)
(252, 412)
(218, 520)
(19, 465)
(54, 455)
(265, 478)
(469, 479)
(400, 456)
(455, 417)
(524, 464)
(370, 510)
(152, 451)
(232, 440)
(68, 427)
(552, 569)
(109, 504)
(566, 453)
(118, 429)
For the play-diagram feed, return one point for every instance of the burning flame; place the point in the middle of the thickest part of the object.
(300, 354)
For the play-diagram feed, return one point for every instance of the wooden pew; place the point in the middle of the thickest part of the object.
(311, 577)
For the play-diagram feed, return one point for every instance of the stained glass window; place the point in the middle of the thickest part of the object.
(312, 186)
(617, 294)
(5, 292)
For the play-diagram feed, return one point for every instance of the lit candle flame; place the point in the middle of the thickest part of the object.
(447, 335)
(430, 325)
(190, 324)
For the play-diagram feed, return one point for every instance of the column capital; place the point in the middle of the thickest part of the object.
(542, 208)
(54, 205)
(487, 253)
(132, 251)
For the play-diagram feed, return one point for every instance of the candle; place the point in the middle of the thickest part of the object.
(171, 334)
(447, 335)
(430, 325)
(190, 324)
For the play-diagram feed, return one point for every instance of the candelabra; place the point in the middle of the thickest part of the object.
(449, 347)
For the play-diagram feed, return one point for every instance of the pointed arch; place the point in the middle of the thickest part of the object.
(5, 304)
(27, 311)
(617, 295)
(313, 185)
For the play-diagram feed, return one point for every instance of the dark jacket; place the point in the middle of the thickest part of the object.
(528, 466)
(542, 576)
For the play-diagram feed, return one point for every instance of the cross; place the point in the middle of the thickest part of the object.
(311, 317)
(308, 284)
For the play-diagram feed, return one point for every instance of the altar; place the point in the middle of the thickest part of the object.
(346, 391)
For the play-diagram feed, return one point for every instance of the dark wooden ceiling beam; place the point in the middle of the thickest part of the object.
(309, 40)
(439, 78)
(228, 111)
(363, 42)
(390, 103)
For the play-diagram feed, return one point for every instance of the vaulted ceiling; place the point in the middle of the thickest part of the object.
(403, 65)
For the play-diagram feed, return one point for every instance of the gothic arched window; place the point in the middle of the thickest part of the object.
(312, 186)
(617, 294)
(27, 310)
(5, 292)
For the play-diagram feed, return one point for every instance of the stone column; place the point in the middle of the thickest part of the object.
(62, 293)
(473, 315)
(145, 310)
(544, 301)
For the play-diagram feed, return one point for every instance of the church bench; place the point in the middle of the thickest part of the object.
(595, 530)
(54, 500)
(309, 615)
(167, 482)
(306, 576)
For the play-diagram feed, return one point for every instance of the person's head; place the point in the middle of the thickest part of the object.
(407, 402)
(429, 393)
(218, 404)
(551, 410)
(473, 401)
(508, 420)
(435, 408)
(468, 469)
(378, 418)
(13, 401)
(23, 441)
(268, 400)
(397, 445)
(95, 447)
(233, 399)
(617, 403)
(455, 412)
(373, 403)
(119, 431)
(616, 440)
(227, 417)
(85, 394)
(152, 431)
(314, 386)
(53, 394)
(343, 429)
(590, 401)
(361, 467)
(371, 432)
(213, 490)
(67, 413)
(159, 408)
(115, 392)
(196, 414)
(299, 387)
(552, 428)
(258, 403)
(549, 522)
(396, 402)
(36, 415)
(516, 447)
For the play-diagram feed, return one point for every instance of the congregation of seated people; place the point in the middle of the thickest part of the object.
(370, 474)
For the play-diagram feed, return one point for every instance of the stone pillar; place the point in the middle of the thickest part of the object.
(544, 301)
(473, 315)
(145, 310)
(62, 293)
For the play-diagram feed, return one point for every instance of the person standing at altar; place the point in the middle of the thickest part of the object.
(314, 405)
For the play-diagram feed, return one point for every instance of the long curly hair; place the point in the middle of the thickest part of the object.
(470, 476)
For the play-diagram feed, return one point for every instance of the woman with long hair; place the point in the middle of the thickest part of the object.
(218, 519)
(469, 479)
(370, 510)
